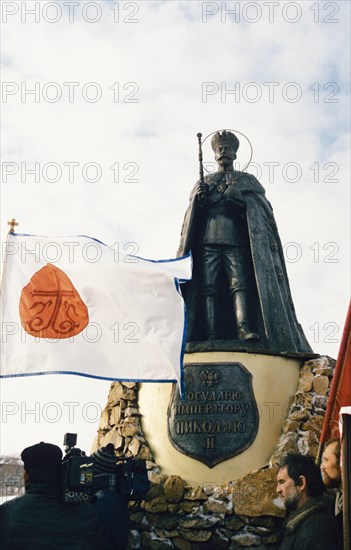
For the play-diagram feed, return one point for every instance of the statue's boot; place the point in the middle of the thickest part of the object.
(210, 315)
(242, 317)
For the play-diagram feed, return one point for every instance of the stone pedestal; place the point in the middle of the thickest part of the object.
(274, 383)
(241, 509)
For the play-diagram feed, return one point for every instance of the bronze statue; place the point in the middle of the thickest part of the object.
(240, 289)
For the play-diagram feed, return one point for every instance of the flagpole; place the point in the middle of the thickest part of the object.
(11, 231)
(335, 386)
(346, 478)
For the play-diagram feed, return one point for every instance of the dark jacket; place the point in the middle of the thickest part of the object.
(311, 527)
(335, 500)
(113, 514)
(39, 520)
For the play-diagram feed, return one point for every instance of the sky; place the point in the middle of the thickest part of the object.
(101, 103)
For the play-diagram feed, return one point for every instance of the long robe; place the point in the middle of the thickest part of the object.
(271, 302)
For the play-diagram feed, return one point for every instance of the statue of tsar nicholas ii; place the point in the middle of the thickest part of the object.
(240, 289)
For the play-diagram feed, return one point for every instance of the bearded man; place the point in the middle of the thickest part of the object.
(331, 474)
(309, 524)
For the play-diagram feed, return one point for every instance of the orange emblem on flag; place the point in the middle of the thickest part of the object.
(50, 306)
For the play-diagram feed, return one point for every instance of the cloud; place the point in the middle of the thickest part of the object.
(152, 77)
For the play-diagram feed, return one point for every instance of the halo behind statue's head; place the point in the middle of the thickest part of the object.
(225, 138)
(224, 134)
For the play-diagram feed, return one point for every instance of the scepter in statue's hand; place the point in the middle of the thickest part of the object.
(202, 188)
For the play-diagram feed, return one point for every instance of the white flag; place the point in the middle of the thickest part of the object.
(71, 305)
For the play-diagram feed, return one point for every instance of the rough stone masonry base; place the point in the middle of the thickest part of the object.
(237, 514)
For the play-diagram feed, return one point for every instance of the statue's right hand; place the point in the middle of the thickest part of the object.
(201, 190)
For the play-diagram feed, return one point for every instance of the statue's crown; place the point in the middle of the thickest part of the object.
(225, 138)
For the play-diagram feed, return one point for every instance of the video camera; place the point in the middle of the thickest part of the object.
(77, 472)
(82, 478)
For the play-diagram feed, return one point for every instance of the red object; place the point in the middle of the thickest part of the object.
(340, 392)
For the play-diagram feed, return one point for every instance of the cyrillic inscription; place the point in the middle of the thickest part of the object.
(218, 417)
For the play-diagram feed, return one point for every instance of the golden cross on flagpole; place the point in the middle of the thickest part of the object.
(12, 225)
